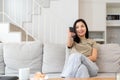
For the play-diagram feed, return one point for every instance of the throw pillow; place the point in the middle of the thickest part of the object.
(109, 58)
(22, 55)
(53, 58)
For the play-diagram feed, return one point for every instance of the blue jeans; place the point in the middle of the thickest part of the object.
(79, 66)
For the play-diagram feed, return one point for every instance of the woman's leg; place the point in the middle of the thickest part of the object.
(91, 66)
(82, 72)
(74, 62)
(71, 66)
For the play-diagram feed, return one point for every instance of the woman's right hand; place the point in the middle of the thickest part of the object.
(70, 34)
(70, 38)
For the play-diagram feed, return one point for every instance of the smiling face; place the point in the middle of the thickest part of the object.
(80, 29)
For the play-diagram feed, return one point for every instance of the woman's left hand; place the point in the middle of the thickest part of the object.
(93, 57)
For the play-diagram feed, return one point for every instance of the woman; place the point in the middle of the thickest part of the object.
(81, 63)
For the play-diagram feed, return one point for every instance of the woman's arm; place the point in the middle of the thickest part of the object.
(93, 57)
(70, 39)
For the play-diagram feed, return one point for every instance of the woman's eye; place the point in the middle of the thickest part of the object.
(82, 26)
(76, 27)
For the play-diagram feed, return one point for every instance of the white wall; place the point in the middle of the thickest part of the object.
(1, 5)
(57, 18)
(52, 24)
(18, 10)
(86, 11)
(94, 12)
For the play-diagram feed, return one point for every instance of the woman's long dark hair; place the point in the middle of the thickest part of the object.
(77, 39)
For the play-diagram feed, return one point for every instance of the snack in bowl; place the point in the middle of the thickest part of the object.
(38, 76)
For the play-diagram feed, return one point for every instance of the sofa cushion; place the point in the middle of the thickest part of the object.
(106, 75)
(2, 65)
(22, 55)
(53, 75)
(53, 58)
(108, 58)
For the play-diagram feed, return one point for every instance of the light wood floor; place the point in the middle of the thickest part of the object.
(82, 79)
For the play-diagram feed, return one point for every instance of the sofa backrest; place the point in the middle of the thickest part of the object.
(53, 58)
(2, 65)
(109, 58)
(50, 58)
(47, 58)
(22, 55)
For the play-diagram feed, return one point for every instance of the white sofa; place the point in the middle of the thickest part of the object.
(50, 58)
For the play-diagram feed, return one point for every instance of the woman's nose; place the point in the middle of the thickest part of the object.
(79, 28)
